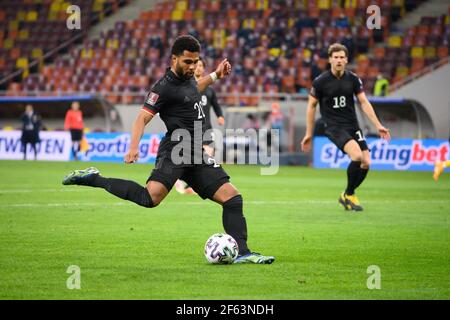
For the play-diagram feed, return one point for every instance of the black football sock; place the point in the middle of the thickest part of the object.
(362, 175)
(234, 222)
(125, 189)
(35, 151)
(353, 173)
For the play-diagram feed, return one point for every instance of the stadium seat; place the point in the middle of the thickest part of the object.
(253, 34)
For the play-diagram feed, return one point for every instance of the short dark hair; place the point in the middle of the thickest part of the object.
(336, 47)
(187, 42)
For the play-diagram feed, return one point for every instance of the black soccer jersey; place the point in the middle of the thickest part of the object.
(209, 99)
(178, 103)
(336, 98)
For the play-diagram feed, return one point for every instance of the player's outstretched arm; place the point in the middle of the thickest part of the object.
(217, 109)
(310, 116)
(366, 106)
(222, 70)
(142, 119)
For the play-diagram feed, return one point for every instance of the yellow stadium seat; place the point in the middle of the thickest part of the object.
(177, 15)
(55, 6)
(181, 5)
(402, 71)
(324, 4)
(219, 37)
(249, 24)
(32, 16)
(430, 52)
(307, 53)
(416, 52)
(350, 3)
(291, 22)
(23, 34)
(21, 15)
(395, 41)
(13, 25)
(262, 4)
(275, 52)
(97, 6)
(112, 43)
(87, 53)
(398, 3)
(36, 53)
(23, 63)
(199, 14)
(8, 43)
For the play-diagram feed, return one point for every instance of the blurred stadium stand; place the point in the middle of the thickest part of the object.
(277, 47)
(34, 32)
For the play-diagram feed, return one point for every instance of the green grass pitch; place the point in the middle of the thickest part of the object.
(128, 252)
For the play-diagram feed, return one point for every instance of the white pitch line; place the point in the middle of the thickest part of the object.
(66, 204)
(200, 203)
(39, 190)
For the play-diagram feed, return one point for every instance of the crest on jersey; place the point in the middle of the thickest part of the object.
(152, 98)
(204, 100)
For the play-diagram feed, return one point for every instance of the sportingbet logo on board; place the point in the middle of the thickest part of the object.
(398, 154)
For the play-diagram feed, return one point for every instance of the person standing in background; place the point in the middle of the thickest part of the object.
(381, 88)
(74, 123)
(209, 101)
(31, 125)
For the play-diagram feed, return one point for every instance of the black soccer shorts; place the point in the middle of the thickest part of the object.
(76, 134)
(205, 179)
(340, 136)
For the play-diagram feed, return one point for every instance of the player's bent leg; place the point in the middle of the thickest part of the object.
(349, 199)
(124, 189)
(235, 224)
(353, 150)
(157, 192)
(365, 165)
(233, 219)
(225, 193)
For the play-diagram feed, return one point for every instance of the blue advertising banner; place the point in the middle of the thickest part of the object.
(397, 154)
(112, 147)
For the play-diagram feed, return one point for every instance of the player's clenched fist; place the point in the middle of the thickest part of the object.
(306, 144)
(132, 156)
(223, 69)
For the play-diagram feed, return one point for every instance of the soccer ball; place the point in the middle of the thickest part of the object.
(221, 248)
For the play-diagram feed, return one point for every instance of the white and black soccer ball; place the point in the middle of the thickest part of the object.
(221, 248)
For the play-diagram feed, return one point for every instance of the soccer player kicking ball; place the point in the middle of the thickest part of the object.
(176, 97)
(334, 90)
(209, 100)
